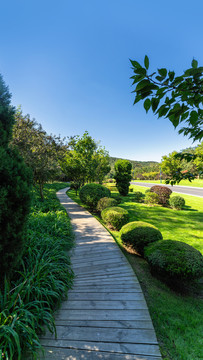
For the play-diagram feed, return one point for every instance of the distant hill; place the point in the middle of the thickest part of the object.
(144, 165)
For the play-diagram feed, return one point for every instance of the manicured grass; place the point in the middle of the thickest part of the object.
(195, 183)
(183, 225)
(177, 317)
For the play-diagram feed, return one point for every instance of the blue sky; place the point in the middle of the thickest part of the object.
(67, 64)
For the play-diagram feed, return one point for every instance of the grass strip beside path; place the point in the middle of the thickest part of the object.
(177, 317)
(194, 183)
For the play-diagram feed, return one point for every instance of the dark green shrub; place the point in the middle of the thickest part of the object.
(177, 202)
(117, 197)
(163, 192)
(174, 260)
(115, 216)
(91, 193)
(130, 189)
(123, 176)
(139, 234)
(151, 198)
(105, 202)
(138, 196)
(15, 180)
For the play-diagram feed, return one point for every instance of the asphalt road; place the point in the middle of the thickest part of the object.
(187, 190)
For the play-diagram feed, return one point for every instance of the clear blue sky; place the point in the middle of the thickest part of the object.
(67, 64)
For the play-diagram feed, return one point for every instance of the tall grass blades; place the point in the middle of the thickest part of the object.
(28, 302)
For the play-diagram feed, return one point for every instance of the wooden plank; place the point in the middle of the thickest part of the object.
(121, 324)
(102, 305)
(99, 274)
(106, 288)
(105, 296)
(52, 353)
(139, 336)
(103, 269)
(124, 348)
(98, 262)
(119, 280)
(103, 315)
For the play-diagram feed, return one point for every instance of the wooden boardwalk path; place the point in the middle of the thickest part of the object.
(105, 316)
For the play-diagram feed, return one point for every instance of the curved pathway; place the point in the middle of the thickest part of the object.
(105, 316)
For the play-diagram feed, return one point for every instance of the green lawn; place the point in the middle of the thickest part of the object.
(195, 183)
(177, 317)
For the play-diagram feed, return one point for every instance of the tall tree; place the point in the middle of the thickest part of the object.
(15, 181)
(86, 162)
(40, 151)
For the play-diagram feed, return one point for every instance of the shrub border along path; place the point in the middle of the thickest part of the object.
(105, 316)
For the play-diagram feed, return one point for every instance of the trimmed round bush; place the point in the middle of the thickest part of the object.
(163, 193)
(105, 202)
(115, 216)
(139, 234)
(174, 260)
(177, 202)
(90, 194)
(138, 196)
(151, 198)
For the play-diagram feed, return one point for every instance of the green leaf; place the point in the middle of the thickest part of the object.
(160, 78)
(146, 62)
(155, 103)
(162, 72)
(171, 75)
(142, 84)
(194, 64)
(135, 64)
(193, 117)
(140, 71)
(147, 104)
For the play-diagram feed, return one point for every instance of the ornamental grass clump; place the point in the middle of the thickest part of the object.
(105, 202)
(139, 234)
(90, 194)
(115, 216)
(177, 202)
(163, 193)
(174, 260)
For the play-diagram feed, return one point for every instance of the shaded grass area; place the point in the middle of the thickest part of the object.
(177, 316)
(194, 183)
(41, 282)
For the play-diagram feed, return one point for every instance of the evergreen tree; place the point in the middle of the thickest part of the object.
(15, 197)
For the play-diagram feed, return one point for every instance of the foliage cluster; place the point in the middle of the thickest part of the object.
(174, 260)
(105, 202)
(115, 216)
(139, 234)
(15, 179)
(138, 196)
(42, 280)
(123, 176)
(85, 161)
(151, 198)
(177, 202)
(163, 193)
(90, 194)
(40, 151)
(178, 98)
